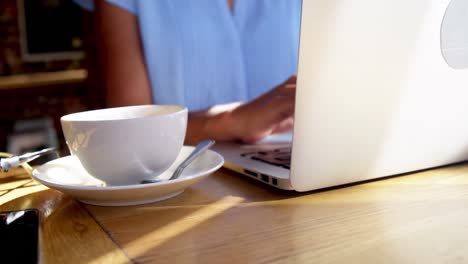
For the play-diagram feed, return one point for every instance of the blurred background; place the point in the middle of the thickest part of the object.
(46, 71)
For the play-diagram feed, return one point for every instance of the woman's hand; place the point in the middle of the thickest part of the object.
(268, 114)
(249, 122)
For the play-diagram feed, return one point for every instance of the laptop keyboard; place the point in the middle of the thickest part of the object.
(280, 157)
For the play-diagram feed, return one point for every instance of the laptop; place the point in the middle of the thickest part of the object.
(382, 90)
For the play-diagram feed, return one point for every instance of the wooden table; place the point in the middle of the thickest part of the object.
(418, 218)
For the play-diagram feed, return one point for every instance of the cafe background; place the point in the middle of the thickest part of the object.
(47, 70)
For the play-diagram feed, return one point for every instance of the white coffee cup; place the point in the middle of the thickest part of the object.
(125, 145)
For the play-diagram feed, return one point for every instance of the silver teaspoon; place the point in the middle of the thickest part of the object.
(199, 149)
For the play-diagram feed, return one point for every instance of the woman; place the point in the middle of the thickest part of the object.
(220, 58)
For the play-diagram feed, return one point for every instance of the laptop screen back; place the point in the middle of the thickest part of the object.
(375, 95)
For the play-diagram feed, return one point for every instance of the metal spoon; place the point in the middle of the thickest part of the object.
(15, 161)
(199, 149)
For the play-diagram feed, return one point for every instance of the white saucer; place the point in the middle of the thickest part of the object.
(68, 176)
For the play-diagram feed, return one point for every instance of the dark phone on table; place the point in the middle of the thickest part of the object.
(19, 236)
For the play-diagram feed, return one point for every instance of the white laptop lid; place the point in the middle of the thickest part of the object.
(376, 96)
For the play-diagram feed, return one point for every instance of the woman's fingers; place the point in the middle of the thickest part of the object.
(291, 79)
(285, 90)
(284, 126)
(268, 114)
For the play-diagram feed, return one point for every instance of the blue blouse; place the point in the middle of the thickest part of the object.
(198, 53)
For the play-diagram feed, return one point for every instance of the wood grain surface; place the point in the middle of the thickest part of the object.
(418, 218)
(68, 233)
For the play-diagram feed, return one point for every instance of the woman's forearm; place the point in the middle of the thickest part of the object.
(215, 123)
